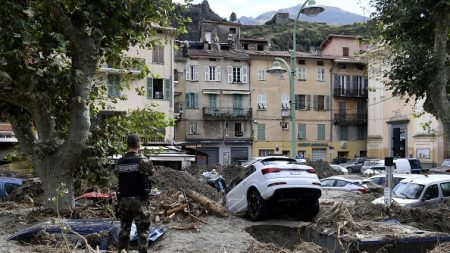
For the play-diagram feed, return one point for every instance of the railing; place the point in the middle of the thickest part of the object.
(220, 113)
(355, 93)
(178, 107)
(350, 119)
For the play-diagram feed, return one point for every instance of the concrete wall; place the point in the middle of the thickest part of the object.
(337, 43)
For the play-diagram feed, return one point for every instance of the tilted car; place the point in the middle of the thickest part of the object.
(271, 182)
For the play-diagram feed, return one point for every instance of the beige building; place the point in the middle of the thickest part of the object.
(394, 128)
(350, 92)
(271, 105)
(158, 85)
(213, 90)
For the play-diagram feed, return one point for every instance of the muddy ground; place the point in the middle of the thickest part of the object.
(344, 213)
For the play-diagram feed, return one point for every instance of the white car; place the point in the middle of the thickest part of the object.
(381, 180)
(339, 168)
(424, 191)
(348, 183)
(271, 181)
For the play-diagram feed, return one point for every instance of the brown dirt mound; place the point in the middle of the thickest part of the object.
(167, 178)
(228, 172)
(323, 169)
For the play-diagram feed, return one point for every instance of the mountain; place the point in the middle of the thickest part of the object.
(331, 15)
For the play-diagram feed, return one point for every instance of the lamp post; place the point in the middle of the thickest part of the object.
(310, 9)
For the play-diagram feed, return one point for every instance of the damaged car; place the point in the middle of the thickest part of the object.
(273, 182)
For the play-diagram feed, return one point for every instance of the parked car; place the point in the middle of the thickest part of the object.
(407, 165)
(271, 181)
(375, 168)
(396, 178)
(339, 168)
(348, 183)
(443, 169)
(369, 163)
(8, 185)
(354, 165)
(339, 160)
(426, 191)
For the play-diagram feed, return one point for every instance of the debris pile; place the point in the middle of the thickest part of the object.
(441, 248)
(228, 172)
(337, 216)
(323, 169)
(29, 192)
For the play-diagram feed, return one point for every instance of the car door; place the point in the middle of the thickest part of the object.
(431, 197)
(236, 198)
(445, 189)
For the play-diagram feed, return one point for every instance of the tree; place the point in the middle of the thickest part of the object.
(233, 17)
(49, 54)
(417, 34)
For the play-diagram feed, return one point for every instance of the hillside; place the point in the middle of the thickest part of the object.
(331, 15)
(308, 34)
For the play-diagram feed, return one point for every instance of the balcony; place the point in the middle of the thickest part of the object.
(350, 93)
(350, 119)
(226, 113)
(178, 110)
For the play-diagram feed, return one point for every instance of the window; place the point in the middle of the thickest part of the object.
(328, 182)
(237, 74)
(345, 51)
(238, 129)
(113, 85)
(265, 152)
(9, 188)
(343, 133)
(342, 65)
(155, 88)
(302, 73)
(212, 73)
(245, 46)
(262, 102)
(233, 30)
(320, 74)
(261, 132)
(237, 104)
(341, 84)
(341, 183)
(212, 100)
(191, 100)
(432, 191)
(261, 75)
(260, 47)
(301, 62)
(319, 63)
(302, 131)
(158, 54)
(319, 103)
(361, 133)
(285, 102)
(358, 84)
(445, 189)
(191, 73)
(320, 132)
(284, 125)
(193, 127)
(300, 102)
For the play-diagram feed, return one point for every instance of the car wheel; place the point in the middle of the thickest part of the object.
(257, 208)
(313, 208)
(350, 170)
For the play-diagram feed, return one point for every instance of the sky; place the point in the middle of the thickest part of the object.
(253, 8)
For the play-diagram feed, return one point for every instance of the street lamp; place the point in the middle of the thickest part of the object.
(311, 10)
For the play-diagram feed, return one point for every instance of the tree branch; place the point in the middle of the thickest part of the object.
(20, 121)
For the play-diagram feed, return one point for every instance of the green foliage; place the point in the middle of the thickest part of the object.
(308, 34)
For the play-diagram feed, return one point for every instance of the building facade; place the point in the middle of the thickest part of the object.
(399, 127)
(349, 89)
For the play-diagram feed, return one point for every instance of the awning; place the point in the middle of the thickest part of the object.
(211, 92)
(232, 92)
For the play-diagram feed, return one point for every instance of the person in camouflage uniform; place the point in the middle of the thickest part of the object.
(133, 172)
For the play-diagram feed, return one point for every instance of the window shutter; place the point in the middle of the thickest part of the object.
(336, 81)
(195, 73)
(187, 100)
(195, 100)
(327, 103)
(168, 89)
(218, 73)
(347, 82)
(366, 83)
(316, 102)
(110, 85)
(308, 102)
(261, 132)
(354, 85)
(320, 132)
(149, 87)
(302, 131)
(230, 74)
(244, 74)
(188, 72)
(206, 73)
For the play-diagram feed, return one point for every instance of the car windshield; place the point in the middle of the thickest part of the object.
(415, 164)
(446, 163)
(353, 160)
(408, 190)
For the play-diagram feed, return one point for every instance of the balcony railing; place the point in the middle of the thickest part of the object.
(221, 113)
(350, 119)
(352, 93)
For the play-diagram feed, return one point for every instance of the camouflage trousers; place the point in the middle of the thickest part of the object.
(133, 208)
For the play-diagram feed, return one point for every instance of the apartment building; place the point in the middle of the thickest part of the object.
(213, 90)
(349, 90)
(399, 127)
(158, 84)
(271, 105)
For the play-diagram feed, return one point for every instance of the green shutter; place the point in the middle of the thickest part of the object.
(110, 85)
(113, 85)
(320, 132)
(195, 104)
(187, 100)
(212, 101)
(302, 131)
(261, 132)
(168, 89)
(149, 87)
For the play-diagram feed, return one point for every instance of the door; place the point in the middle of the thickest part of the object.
(319, 154)
(213, 155)
(431, 196)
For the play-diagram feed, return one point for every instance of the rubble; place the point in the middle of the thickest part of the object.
(29, 192)
(323, 170)
(441, 248)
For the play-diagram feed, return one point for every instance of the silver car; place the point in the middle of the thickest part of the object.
(348, 183)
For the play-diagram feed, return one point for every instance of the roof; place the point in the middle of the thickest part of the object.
(428, 179)
(220, 22)
(350, 60)
(331, 36)
(218, 54)
(287, 54)
(5, 127)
